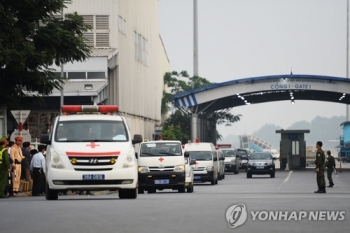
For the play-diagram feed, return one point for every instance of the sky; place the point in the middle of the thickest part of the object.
(250, 38)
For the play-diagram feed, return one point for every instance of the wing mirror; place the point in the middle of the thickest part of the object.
(192, 162)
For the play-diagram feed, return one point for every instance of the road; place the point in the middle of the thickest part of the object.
(291, 193)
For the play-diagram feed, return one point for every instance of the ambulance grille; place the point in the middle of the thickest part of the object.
(161, 169)
(92, 161)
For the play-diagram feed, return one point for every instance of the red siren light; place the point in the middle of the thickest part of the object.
(216, 148)
(183, 146)
(197, 140)
(89, 108)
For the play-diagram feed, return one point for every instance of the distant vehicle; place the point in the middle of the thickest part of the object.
(261, 163)
(243, 158)
(221, 164)
(232, 163)
(189, 175)
(206, 167)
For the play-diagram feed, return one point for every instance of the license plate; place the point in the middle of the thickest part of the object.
(197, 177)
(161, 181)
(260, 167)
(93, 177)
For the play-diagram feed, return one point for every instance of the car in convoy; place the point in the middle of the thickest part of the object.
(206, 167)
(89, 147)
(232, 161)
(261, 163)
(243, 158)
(221, 159)
(162, 165)
(189, 183)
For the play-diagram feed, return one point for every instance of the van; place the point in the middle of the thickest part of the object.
(206, 167)
(161, 165)
(90, 148)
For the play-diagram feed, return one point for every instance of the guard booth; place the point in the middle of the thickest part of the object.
(292, 149)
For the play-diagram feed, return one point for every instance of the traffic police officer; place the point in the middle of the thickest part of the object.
(4, 166)
(320, 162)
(330, 164)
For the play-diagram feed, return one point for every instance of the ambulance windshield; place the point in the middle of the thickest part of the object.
(86, 131)
(160, 149)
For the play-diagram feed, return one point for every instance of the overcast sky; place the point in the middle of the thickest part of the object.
(250, 38)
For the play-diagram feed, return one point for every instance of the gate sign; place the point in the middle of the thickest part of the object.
(20, 115)
(24, 133)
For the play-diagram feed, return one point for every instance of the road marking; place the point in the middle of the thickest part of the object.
(285, 181)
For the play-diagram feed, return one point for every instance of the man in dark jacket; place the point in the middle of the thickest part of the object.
(26, 162)
(330, 164)
(320, 162)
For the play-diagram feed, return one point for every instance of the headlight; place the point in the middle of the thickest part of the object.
(129, 161)
(210, 169)
(56, 161)
(179, 168)
(143, 169)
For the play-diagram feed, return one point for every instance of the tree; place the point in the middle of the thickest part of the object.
(31, 40)
(176, 83)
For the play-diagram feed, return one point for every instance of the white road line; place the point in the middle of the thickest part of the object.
(285, 181)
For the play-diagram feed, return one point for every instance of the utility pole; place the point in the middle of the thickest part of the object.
(62, 76)
(194, 121)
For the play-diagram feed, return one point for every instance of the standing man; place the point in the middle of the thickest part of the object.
(330, 164)
(25, 163)
(4, 166)
(319, 162)
(17, 156)
(38, 169)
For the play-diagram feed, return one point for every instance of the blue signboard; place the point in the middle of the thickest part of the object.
(293, 136)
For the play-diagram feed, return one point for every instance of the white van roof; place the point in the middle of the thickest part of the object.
(199, 146)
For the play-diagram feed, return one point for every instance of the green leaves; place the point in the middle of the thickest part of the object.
(31, 40)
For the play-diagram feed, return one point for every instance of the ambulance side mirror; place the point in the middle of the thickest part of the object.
(136, 155)
(192, 162)
(187, 154)
(45, 139)
(137, 139)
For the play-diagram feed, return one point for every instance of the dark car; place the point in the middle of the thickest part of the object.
(243, 158)
(261, 163)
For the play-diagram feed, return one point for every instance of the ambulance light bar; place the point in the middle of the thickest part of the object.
(89, 108)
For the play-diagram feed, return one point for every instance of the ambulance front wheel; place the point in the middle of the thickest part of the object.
(50, 194)
(127, 193)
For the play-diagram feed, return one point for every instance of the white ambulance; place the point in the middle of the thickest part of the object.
(161, 165)
(90, 148)
(206, 167)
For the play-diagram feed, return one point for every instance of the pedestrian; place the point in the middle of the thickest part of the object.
(330, 164)
(38, 169)
(4, 166)
(17, 156)
(26, 162)
(320, 162)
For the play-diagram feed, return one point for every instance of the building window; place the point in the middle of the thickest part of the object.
(96, 75)
(121, 25)
(77, 75)
(58, 74)
(141, 52)
(295, 147)
(98, 37)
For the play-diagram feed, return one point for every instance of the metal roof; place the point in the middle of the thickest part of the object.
(103, 52)
(81, 88)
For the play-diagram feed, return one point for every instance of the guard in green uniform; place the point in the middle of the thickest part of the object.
(330, 164)
(4, 166)
(320, 162)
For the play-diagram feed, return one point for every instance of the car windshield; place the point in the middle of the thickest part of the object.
(260, 156)
(160, 149)
(229, 153)
(90, 131)
(201, 155)
(242, 154)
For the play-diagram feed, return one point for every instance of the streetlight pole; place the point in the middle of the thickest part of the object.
(194, 121)
(62, 76)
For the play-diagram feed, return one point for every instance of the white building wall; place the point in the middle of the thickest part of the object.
(98, 7)
(140, 86)
(135, 87)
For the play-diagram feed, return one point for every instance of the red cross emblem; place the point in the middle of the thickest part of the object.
(161, 159)
(93, 144)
